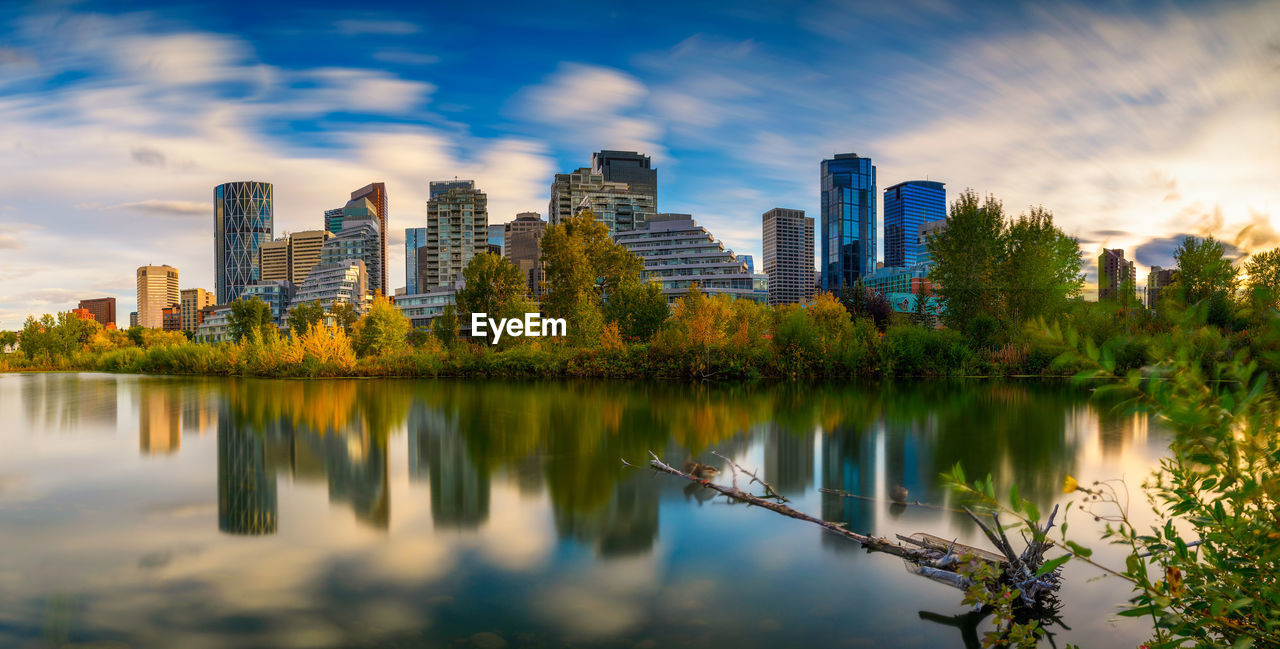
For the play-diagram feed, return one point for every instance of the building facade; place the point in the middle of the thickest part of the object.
(567, 192)
(457, 230)
(414, 238)
(361, 212)
(242, 216)
(157, 290)
(376, 194)
(333, 283)
(214, 326)
(103, 309)
(304, 252)
(524, 248)
(634, 169)
(422, 308)
(788, 255)
(1117, 276)
(171, 317)
(907, 206)
(360, 240)
(192, 301)
(678, 253)
(1157, 281)
(896, 279)
(849, 221)
(617, 206)
(277, 294)
(926, 233)
(274, 260)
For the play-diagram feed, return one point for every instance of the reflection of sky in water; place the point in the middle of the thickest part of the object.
(211, 512)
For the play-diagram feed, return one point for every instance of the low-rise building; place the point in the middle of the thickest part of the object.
(214, 328)
(335, 282)
(171, 318)
(422, 308)
(679, 253)
(278, 295)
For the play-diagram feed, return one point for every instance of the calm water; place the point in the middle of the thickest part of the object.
(177, 512)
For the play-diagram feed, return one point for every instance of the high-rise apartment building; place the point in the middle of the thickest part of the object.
(304, 252)
(103, 309)
(1116, 276)
(567, 192)
(274, 260)
(678, 253)
(376, 193)
(242, 223)
(848, 220)
(617, 206)
(192, 301)
(1157, 281)
(157, 290)
(363, 208)
(907, 206)
(497, 237)
(788, 255)
(634, 169)
(360, 240)
(414, 238)
(335, 282)
(524, 248)
(457, 230)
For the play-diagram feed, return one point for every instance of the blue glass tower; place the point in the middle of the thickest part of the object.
(907, 205)
(848, 220)
(241, 224)
(414, 238)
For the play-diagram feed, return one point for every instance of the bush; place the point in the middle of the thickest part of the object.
(918, 351)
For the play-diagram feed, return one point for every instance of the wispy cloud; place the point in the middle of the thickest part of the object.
(169, 208)
(376, 27)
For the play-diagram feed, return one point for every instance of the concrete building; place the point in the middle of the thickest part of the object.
(634, 169)
(414, 238)
(242, 215)
(192, 301)
(336, 282)
(361, 213)
(304, 252)
(524, 248)
(849, 224)
(213, 327)
(278, 295)
(907, 206)
(678, 253)
(617, 206)
(457, 230)
(422, 308)
(567, 192)
(1116, 275)
(274, 260)
(788, 255)
(1157, 281)
(157, 290)
(171, 316)
(133, 319)
(376, 194)
(103, 309)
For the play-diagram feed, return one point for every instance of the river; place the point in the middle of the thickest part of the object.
(141, 511)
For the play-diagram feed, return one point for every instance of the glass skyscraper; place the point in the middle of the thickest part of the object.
(907, 206)
(848, 220)
(241, 224)
(414, 238)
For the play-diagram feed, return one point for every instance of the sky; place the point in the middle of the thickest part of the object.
(1135, 123)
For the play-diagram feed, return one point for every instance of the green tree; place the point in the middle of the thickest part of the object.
(638, 309)
(492, 284)
(246, 316)
(966, 259)
(1205, 275)
(382, 330)
(445, 326)
(8, 339)
(583, 265)
(1041, 267)
(304, 316)
(344, 315)
(1263, 282)
(922, 315)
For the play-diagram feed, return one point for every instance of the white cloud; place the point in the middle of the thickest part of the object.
(591, 107)
(376, 27)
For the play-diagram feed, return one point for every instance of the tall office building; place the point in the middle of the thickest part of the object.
(567, 192)
(524, 248)
(414, 238)
(457, 230)
(848, 220)
(630, 167)
(157, 290)
(274, 260)
(927, 231)
(788, 255)
(1116, 276)
(304, 252)
(678, 253)
(242, 223)
(363, 207)
(617, 206)
(192, 301)
(907, 206)
(376, 193)
(103, 309)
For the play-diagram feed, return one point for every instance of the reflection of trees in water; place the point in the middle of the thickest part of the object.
(459, 488)
(69, 402)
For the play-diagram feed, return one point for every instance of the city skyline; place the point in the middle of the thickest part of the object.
(119, 123)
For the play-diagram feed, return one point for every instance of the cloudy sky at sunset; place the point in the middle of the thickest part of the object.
(1134, 123)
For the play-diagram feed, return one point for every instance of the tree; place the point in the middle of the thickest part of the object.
(922, 315)
(638, 309)
(1205, 275)
(8, 339)
(582, 266)
(246, 316)
(1263, 282)
(382, 330)
(344, 315)
(445, 326)
(966, 258)
(492, 284)
(1041, 268)
(305, 316)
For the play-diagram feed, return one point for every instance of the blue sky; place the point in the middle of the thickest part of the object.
(1134, 123)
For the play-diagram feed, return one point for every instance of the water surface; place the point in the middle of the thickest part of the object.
(210, 512)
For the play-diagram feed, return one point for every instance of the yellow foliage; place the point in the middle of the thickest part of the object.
(330, 345)
(611, 338)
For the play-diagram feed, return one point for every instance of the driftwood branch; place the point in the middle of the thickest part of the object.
(770, 492)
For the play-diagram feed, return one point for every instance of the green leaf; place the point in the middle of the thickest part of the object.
(1052, 564)
(1138, 611)
(1079, 549)
(1014, 501)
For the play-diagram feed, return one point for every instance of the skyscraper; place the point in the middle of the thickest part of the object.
(497, 235)
(304, 252)
(457, 230)
(567, 192)
(617, 206)
(376, 193)
(907, 206)
(103, 309)
(274, 261)
(359, 240)
(630, 167)
(788, 255)
(192, 301)
(414, 238)
(524, 248)
(242, 222)
(1116, 276)
(157, 290)
(364, 207)
(848, 220)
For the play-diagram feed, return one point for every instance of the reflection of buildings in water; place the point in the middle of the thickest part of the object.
(246, 491)
(627, 525)
(70, 402)
(352, 463)
(788, 459)
(848, 465)
(159, 419)
(1118, 433)
(459, 489)
(199, 415)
